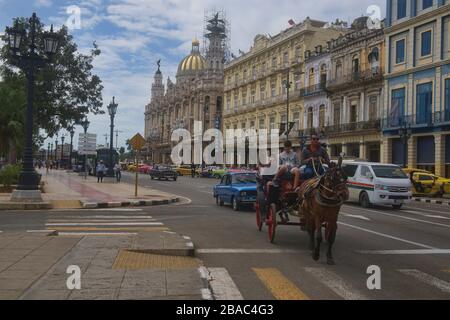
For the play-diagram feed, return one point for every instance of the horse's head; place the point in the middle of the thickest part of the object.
(335, 179)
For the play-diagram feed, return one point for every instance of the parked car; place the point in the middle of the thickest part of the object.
(185, 170)
(237, 189)
(426, 183)
(163, 172)
(377, 184)
(145, 168)
(219, 173)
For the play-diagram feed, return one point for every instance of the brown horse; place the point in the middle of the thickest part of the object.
(321, 201)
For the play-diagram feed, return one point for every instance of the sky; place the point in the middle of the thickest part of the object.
(134, 34)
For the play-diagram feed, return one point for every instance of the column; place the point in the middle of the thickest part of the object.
(345, 149)
(344, 111)
(386, 150)
(440, 86)
(412, 152)
(439, 142)
(362, 150)
(362, 109)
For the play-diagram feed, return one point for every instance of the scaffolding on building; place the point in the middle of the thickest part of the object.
(217, 25)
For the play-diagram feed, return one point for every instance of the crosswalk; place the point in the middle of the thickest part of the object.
(280, 287)
(97, 224)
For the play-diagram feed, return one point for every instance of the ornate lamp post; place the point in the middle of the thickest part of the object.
(72, 133)
(112, 110)
(405, 133)
(85, 124)
(29, 61)
(63, 137)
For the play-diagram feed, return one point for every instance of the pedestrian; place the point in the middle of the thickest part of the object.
(100, 172)
(193, 170)
(118, 172)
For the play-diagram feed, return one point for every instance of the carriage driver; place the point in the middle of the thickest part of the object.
(310, 164)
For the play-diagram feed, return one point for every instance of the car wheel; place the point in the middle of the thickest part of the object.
(152, 177)
(364, 200)
(397, 206)
(175, 178)
(219, 201)
(235, 203)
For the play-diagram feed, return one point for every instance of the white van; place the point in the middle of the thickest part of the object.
(377, 184)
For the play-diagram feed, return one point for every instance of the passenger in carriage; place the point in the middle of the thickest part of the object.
(314, 156)
(289, 163)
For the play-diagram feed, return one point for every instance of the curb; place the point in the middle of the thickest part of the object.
(139, 203)
(440, 202)
(25, 206)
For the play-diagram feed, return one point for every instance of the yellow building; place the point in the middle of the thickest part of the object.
(255, 83)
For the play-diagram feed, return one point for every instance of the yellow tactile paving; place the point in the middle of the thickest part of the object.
(156, 229)
(280, 286)
(129, 260)
(66, 204)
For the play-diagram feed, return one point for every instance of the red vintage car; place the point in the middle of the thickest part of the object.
(145, 168)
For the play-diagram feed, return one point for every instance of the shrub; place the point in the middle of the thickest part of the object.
(9, 175)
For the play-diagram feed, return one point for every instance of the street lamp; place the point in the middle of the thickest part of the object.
(85, 124)
(48, 151)
(72, 133)
(29, 61)
(405, 133)
(112, 110)
(56, 152)
(63, 137)
(288, 85)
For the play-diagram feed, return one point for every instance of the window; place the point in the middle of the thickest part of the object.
(274, 62)
(401, 9)
(424, 102)
(350, 170)
(337, 114)
(400, 51)
(310, 119)
(338, 69)
(373, 102)
(427, 4)
(447, 100)
(426, 43)
(262, 91)
(262, 123)
(397, 107)
(322, 116)
(364, 171)
(272, 89)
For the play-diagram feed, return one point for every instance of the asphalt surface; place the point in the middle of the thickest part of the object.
(411, 246)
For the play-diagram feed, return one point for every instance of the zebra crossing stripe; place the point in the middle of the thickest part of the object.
(105, 224)
(336, 284)
(222, 285)
(428, 279)
(280, 286)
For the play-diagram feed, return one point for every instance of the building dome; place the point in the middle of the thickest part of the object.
(193, 63)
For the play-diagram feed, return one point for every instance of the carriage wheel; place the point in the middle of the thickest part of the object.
(259, 222)
(272, 222)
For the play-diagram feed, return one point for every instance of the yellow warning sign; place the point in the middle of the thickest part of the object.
(138, 142)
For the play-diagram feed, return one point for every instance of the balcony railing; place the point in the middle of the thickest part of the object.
(359, 77)
(353, 127)
(417, 120)
(313, 90)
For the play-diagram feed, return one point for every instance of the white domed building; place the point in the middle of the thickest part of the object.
(197, 94)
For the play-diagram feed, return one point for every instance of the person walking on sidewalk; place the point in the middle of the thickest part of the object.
(118, 172)
(100, 172)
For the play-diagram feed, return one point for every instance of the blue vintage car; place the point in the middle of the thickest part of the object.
(237, 189)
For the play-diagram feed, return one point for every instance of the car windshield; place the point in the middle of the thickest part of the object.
(244, 178)
(164, 168)
(390, 172)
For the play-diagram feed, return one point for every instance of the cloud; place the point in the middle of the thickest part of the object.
(43, 3)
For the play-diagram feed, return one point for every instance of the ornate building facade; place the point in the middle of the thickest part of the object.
(355, 90)
(416, 122)
(255, 83)
(197, 94)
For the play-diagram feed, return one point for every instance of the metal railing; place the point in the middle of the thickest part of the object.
(417, 120)
(313, 90)
(353, 127)
(360, 76)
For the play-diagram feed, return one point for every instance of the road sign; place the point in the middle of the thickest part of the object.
(87, 144)
(138, 142)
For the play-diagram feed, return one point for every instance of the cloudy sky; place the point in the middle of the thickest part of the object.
(134, 34)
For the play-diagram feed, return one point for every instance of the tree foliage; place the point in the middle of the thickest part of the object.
(66, 89)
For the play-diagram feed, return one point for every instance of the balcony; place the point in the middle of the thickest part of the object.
(355, 78)
(353, 127)
(420, 120)
(313, 90)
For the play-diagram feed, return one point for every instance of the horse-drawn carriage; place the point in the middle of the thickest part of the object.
(315, 204)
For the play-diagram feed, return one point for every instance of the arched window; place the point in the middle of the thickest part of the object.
(322, 116)
(323, 74)
(355, 64)
(374, 59)
(338, 69)
(311, 77)
(310, 119)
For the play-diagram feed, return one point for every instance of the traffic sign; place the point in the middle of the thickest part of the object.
(138, 142)
(87, 144)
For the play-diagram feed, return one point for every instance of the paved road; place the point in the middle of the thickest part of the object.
(411, 246)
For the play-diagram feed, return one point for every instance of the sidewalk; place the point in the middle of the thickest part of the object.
(67, 190)
(33, 267)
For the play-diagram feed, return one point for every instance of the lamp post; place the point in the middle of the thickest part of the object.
(72, 133)
(287, 85)
(51, 151)
(48, 151)
(63, 137)
(56, 152)
(112, 110)
(29, 61)
(85, 124)
(405, 133)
